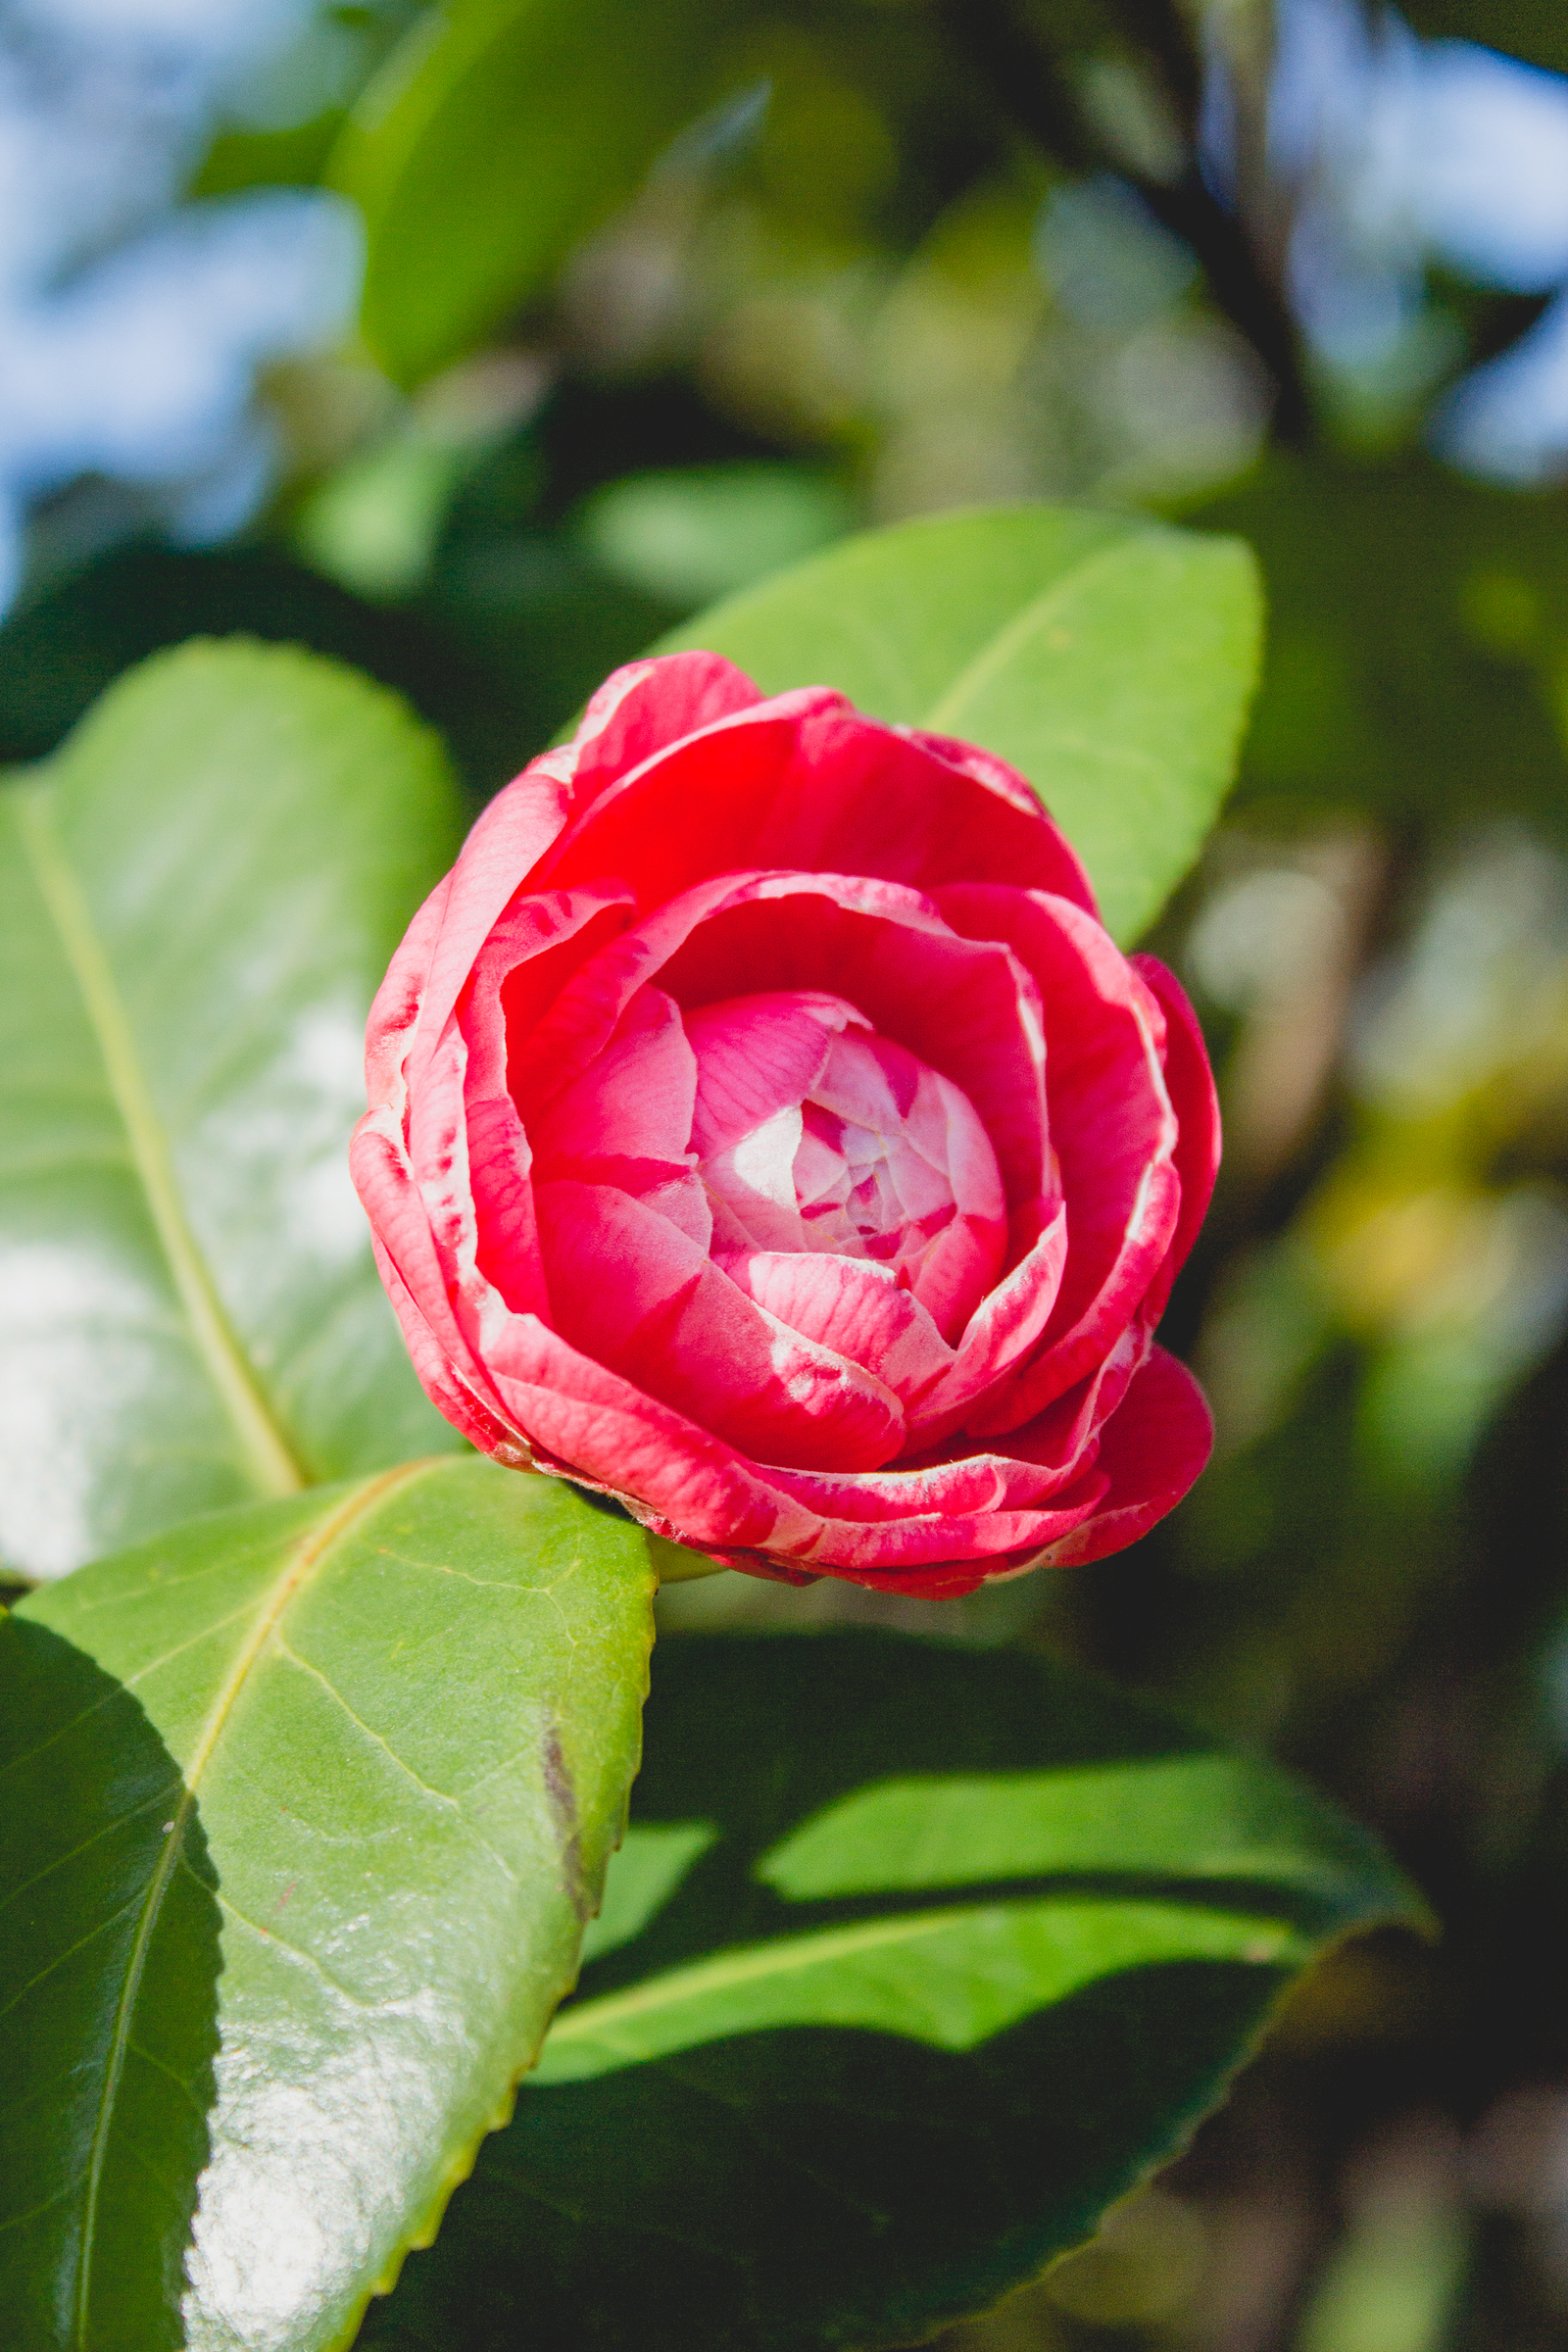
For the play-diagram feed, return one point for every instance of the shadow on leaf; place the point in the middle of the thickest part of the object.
(109, 1963)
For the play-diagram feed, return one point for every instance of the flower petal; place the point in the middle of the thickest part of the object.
(758, 1055)
(1112, 1127)
(1190, 1082)
(806, 782)
(852, 1306)
(1050, 862)
(634, 1099)
(1150, 1451)
(630, 1291)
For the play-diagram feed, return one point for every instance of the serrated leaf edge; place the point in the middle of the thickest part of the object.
(423, 2231)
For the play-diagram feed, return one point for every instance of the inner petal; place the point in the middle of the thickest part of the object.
(871, 1155)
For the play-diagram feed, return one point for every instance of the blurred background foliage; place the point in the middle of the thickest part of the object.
(656, 300)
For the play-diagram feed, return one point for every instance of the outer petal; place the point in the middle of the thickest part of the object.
(1054, 865)
(678, 1477)
(507, 842)
(1113, 1126)
(452, 1371)
(644, 706)
(490, 1430)
(1191, 1085)
(805, 781)
(1150, 1451)
(637, 710)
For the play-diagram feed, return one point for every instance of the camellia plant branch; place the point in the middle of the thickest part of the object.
(767, 1133)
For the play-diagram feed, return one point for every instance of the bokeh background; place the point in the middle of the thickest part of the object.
(1297, 271)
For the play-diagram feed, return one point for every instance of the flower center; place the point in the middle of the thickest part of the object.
(812, 1133)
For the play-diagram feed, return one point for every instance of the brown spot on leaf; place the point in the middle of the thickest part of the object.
(563, 1804)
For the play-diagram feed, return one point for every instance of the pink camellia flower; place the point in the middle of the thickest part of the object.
(764, 1131)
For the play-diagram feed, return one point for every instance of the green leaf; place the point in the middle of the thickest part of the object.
(496, 135)
(198, 896)
(1110, 661)
(916, 1960)
(302, 1809)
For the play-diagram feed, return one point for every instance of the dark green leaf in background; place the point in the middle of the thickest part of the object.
(914, 1960)
(198, 896)
(302, 1810)
(495, 136)
(1417, 645)
(1110, 661)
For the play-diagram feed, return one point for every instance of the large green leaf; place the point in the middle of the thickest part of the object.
(914, 1960)
(1110, 661)
(302, 1809)
(495, 136)
(198, 896)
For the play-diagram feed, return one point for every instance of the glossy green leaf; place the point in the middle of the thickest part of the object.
(914, 1960)
(302, 1809)
(198, 896)
(498, 133)
(1109, 659)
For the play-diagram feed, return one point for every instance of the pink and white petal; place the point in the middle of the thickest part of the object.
(752, 1184)
(630, 1291)
(645, 707)
(965, 1007)
(672, 1192)
(467, 1413)
(693, 807)
(558, 1040)
(1051, 864)
(852, 1307)
(956, 1272)
(1002, 1335)
(958, 1484)
(503, 849)
(876, 1551)
(395, 1008)
(1113, 1125)
(505, 1246)
(873, 1083)
(634, 1099)
(538, 943)
(1120, 1307)
(438, 1156)
(758, 1054)
(1190, 1082)
(675, 1474)
(805, 782)
(1150, 1451)
(402, 1237)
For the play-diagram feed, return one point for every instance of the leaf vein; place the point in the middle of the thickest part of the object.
(271, 1460)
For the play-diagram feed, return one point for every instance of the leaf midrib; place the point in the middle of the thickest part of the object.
(271, 1460)
(300, 1564)
(997, 651)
